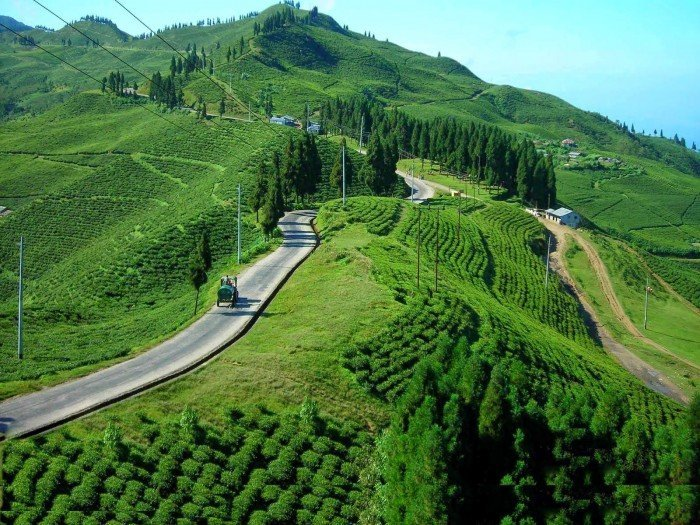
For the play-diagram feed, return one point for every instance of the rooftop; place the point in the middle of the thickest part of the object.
(561, 212)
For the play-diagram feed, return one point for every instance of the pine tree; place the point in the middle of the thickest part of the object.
(375, 162)
(198, 272)
(273, 209)
(222, 107)
(256, 199)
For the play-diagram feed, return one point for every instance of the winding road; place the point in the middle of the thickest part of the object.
(421, 191)
(216, 330)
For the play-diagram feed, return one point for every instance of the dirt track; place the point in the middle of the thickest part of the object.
(639, 368)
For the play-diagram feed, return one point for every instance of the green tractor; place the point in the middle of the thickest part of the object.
(228, 292)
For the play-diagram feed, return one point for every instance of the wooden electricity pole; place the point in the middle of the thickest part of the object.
(20, 304)
(343, 175)
(418, 266)
(362, 131)
(239, 224)
(546, 275)
(437, 249)
(646, 303)
(459, 218)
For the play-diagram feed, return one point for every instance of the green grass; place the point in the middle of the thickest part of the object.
(109, 218)
(294, 350)
(646, 203)
(350, 331)
(671, 322)
(431, 172)
(666, 311)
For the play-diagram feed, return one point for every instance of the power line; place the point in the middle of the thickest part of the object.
(231, 96)
(117, 57)
(96, 80)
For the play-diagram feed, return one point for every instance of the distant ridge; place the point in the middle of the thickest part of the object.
(13, 24)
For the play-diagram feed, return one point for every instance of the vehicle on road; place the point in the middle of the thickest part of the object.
(228, 291)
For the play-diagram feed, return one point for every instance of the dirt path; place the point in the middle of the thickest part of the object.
(635, 365)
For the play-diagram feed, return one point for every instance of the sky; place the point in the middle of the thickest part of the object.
(634, 61)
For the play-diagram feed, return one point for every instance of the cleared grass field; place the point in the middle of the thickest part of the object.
(672, 323)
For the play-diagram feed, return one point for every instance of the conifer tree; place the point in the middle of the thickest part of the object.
(256, 199)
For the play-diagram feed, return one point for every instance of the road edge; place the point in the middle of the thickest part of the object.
(177, 374)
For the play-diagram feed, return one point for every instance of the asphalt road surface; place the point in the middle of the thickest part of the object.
(421, 190)
(217, 329)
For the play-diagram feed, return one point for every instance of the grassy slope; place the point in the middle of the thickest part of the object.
(359, 282)
(313, 63)
(667, 312)
(293, 351)
(110, 217)
(107, 216)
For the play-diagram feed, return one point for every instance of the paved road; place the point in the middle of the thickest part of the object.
(421, 190)
(217, 329)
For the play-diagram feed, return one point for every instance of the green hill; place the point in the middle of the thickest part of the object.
(110, 201)
(314, 60)
(493, 399)
(360, 396)
(13, 24)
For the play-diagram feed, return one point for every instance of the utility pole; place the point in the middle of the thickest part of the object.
(646, 303)
(343, 174)
(362, 131)
(250, 113)
(21, 305)
(546, 276)
(437, 250)
(418, 269)
(239, 224)
(459, 219)
(307, 117)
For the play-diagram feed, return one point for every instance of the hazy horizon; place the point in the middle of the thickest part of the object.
(634, 64)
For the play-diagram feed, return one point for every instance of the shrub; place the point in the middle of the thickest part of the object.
(86, 495)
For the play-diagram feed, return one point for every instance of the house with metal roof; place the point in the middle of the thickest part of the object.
(564, 216)
(283, 121)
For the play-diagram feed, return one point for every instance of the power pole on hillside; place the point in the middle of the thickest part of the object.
(546, 275)
(239, 224)
(413, 184)
(362, 131)
(343, 175)
(20, 305)
(418, 266)
(646, 303)
(437, 249)
(459, 218)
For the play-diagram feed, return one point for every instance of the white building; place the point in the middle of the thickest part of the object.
(283, 121)
(564, 216)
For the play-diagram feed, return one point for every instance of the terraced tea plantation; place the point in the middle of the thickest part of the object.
(484, 388)
(259, 468)
(655, 207)
(110, 219)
